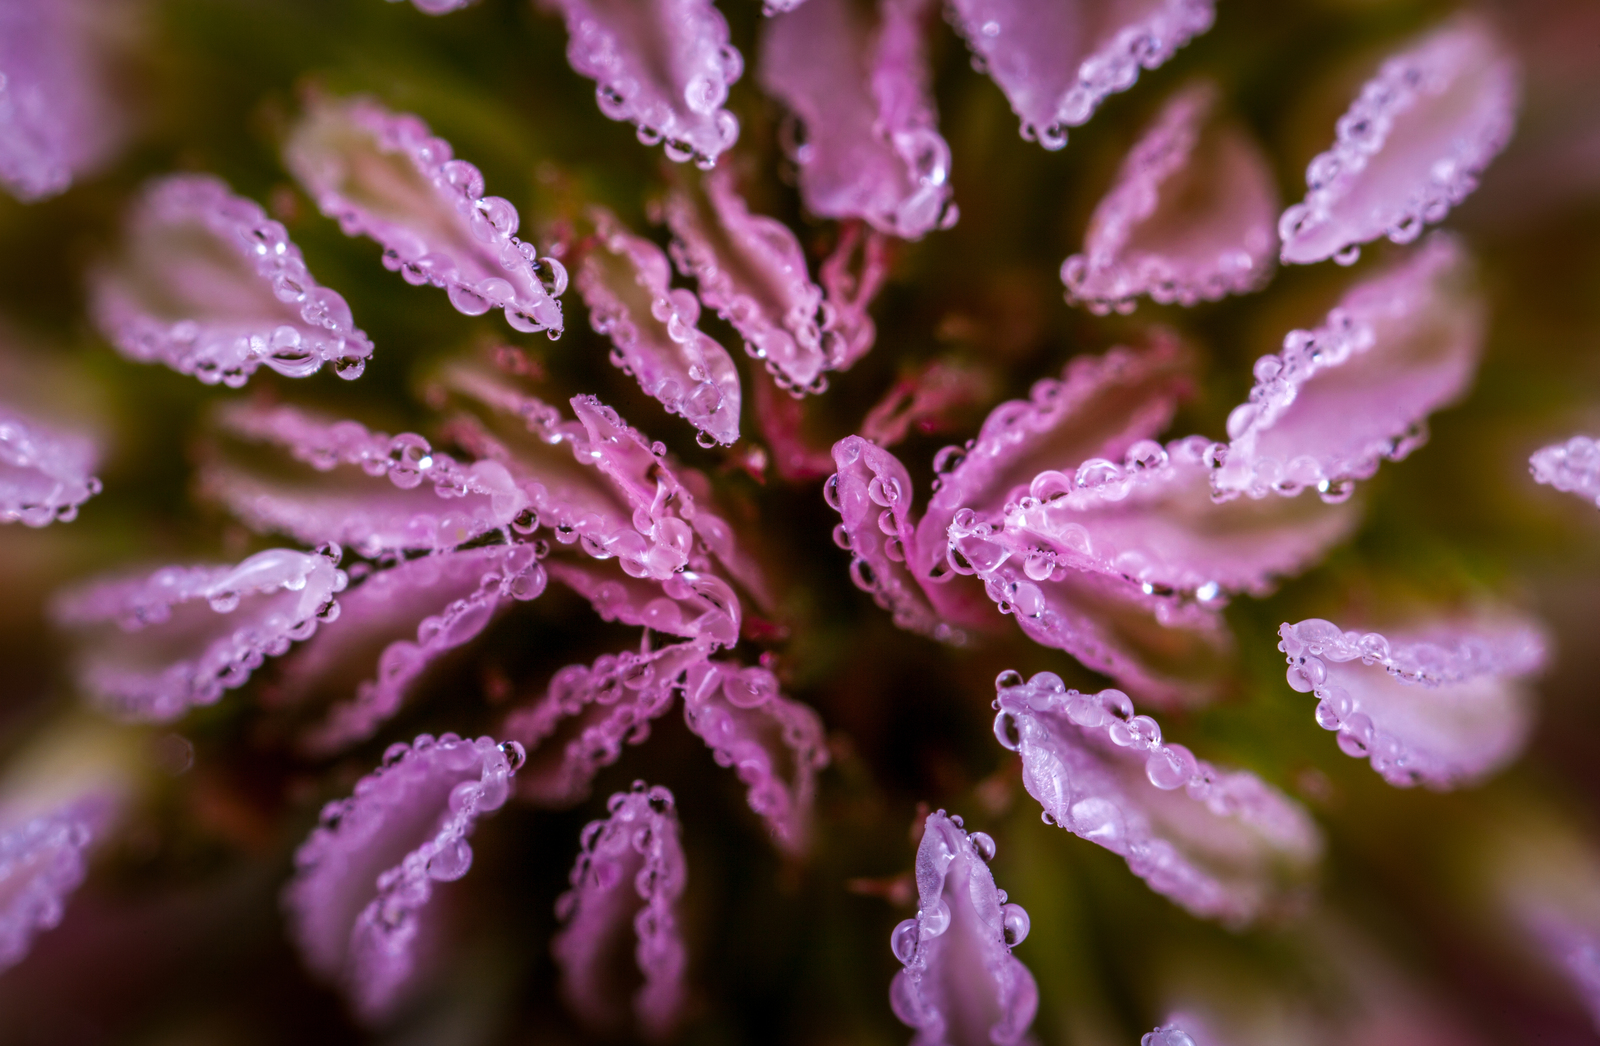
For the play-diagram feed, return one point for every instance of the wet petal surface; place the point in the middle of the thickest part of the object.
(42, 861)
(46, 474)
(1573, 466)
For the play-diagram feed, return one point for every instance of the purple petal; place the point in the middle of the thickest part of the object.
(626, 884)
(1573, 466)
(1189, 219)
(439, 7)
(46, 474)
(961, 986)
(626, 283)
(1177, 1032)
(664, 66)
(210, 286)
(1339, 400)
(391, 627)
(857, 85)
(690, 604)
(1221, 843)
(1410, 147)
(384, 175)
(1443, 706)
(42, 861)
(155, 646)
(377, 493)
(1056, 62)
(774, 743)
(364, 876)
(1546, 880)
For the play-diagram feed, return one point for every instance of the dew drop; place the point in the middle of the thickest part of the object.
(1016, 924)
(983, 842)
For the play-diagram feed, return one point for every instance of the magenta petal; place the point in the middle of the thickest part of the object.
(1444, 706)
(626, 884)
(928, 400)
(1056, 62)
(155, 646)
(782, 420)
(386, 176)
(626, 283)
(857, 83)
(775, 744)
(46, 474)
(961, 986)
(689, 604)
(42, 861)
(1573, 466)
(1341, 399)
(364, 876)
(664, 66)
(210, 286)
(852, 276)
(1221, 843)
(1189, 219)
(1410, 147)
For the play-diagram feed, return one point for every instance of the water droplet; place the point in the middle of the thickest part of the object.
(903, 941)
(1016, 924)
(515, 754)
(983, 842)
(935, 920)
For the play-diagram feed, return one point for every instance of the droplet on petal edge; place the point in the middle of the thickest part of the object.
(364, 876)
(210, 286)
(1573, 466)
(1444, 705)
(865, 134)
(852, 275)
(1222, 844)
(690, 604)
(46, 474)
(385, 176)
(1148, 236)
(439, 7)
(220, 622)
(1357, 391)
(42, 861)
(960, 982)
(1410, 147)
(1172, 1033)
(1056, 62)
(625, 888)
(664, 66)
(625, 280)
(929, 399)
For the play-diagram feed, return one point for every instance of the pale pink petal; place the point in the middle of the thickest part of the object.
(155, 646)
(664, 66)
(1410, 147)
(210, 286)
(961, 986)
(1545, 881)
(626, 884)
(1189, 218)
(439, 7)
(46, 474)
(1573, 466)
(775, 744)
(929, 400)
(855, 78)
(690, 604)
(42, 861)
(385, 176)
(852, 276)
(363, 878)
(1341, 399)
(1221, 843)
(375, 492)
(625, 280)
(1056, 62)
(1444, 705)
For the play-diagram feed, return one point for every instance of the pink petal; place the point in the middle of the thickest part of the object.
(392, 626)
(852, 276)
(626, 884)
(930, 399)
(774, 743)
(155, 646)
(961, 985)
(1176, 1032)
(1222, 844)
(439, 7)
(1546, 881)
(1443, 706)
(1410, 147)
(858, 88)
(46, 474)
(364, 876)
(626, 283)
(1339, 400)
(384, 175)
(1573, 466)
(664, 66)
(783, 425)
(210, 286)
(42, 861)
(1056, 62)
(1189, 219)
(690, 604)
(377, 493)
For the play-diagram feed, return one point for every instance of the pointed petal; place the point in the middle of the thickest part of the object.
(664, 66)
(364, 876)
(155, 646)
(46, 474)
(688, 604)
(385, 176)
(1573, 466)
(858, 86)
(961, 985)
(626, 884)
(1443, 706)
(210, 286)
(1341, 399)
(1222, 844)
(42, 861)
(929, 400)
(1189, 218)
(1410, 147)
(625, 281)
(1057, 62)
